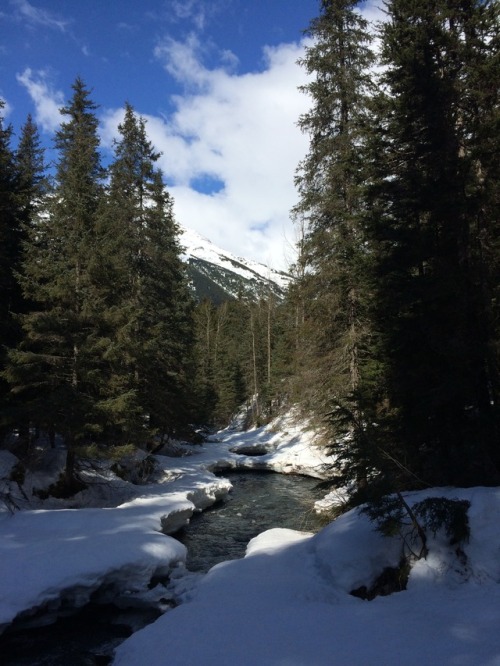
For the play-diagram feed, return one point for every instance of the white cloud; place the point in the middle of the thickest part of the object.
(36, 16)
(190, 9)
(197, 12)
(241, 131)
(47, 101)
(6, 110)
(373, 11)
(182, 60)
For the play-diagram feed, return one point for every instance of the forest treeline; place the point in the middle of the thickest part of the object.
(102, 340)
(389, 335)
(399, 284)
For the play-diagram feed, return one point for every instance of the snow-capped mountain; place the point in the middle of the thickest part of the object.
(219, 275)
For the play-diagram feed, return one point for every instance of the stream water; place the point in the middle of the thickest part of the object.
(258, 501)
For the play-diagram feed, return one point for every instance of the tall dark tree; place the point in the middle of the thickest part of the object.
(9, 229)
(432, 227)
(168, 322)
(330, 180)
(30, 168)
(10, 257)
(31, 188)
(233, 359)
(147, 301)
(56, 365)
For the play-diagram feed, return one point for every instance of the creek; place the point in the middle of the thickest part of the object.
(258, 501)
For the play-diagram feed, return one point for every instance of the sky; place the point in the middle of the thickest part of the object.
(216, 80)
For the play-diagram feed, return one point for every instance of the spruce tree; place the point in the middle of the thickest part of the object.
(232, 359)
(30, 168)
(56, 366)
(150, 331)
(429, 219)
(10, 257)
(31, 188)
(331, 292)
(168, 320)
(206, 342)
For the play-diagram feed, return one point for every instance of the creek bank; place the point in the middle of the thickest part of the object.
(109, 537)
(257, 501)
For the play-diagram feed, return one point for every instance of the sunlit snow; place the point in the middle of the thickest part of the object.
(287, 602)
(198, 247)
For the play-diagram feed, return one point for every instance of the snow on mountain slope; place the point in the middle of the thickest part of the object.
(218, 272)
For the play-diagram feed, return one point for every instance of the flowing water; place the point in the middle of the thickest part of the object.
(258, 501)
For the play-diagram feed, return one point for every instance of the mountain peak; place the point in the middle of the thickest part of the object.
(219, 275)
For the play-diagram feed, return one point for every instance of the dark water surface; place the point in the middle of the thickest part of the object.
(258, 501)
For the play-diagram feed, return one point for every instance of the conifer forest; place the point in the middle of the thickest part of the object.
(389, 335)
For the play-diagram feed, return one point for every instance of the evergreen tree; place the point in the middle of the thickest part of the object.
(231, 359)
(168, 320)
(10, 256)
(480, 138)
(243, 357)
(149, 319)
(206, 322)
(30, 168)
(31, 188)
(430, 220)
(56, 366)
(331, 293)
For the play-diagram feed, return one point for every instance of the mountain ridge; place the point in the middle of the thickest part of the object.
(219, 275)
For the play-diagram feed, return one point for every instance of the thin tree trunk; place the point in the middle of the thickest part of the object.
(254, 359)
(269, 341)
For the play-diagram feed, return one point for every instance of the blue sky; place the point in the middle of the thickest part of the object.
(216, 81)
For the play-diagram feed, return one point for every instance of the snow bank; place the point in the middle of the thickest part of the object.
(48, 558)
(285, 445)
(288, 602)
(58, 554)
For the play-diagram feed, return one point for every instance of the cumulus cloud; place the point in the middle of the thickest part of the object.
(231, 147)
(47, 101)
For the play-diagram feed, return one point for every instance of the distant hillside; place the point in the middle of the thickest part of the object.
(219, 275)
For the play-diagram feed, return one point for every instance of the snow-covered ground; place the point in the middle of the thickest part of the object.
(287, 603)
(63, 554)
